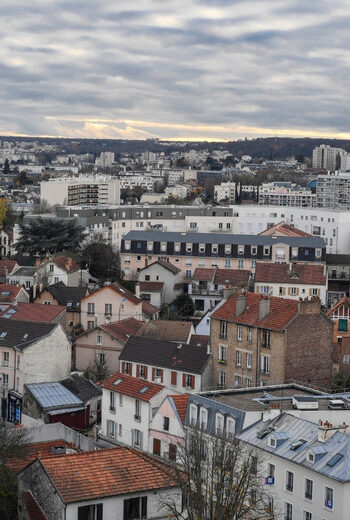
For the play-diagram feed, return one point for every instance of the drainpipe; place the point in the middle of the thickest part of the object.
(258, 349)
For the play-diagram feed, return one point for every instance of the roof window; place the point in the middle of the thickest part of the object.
(3, 335)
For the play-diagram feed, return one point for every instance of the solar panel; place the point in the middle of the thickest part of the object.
(334, 460)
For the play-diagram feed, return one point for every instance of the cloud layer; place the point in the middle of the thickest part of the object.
(194, 69)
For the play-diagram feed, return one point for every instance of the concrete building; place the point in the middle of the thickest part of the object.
(333, 191)
(105, 160)
(225, 191)
(327, 157)
(286, 194)
(73, 191)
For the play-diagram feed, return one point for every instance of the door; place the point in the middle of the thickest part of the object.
(156, 447)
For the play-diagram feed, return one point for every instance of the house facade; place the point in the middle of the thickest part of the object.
(340, 316)
(163, 272)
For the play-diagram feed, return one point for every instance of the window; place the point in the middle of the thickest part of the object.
(308, 489)
(328, 502)
(128, 369)
(238, 358)
(240, 263)
(307, 515)
(135, 508)
(91, 325)
(227, 262)
(289, 481)
(108, 309)
(5, 359)
(318, 253)
(271, 469)
(188, 273)
(189, 381)
(99, 339)
(203, 418)
(238, 381)
(214, 262)
(294, 252)
(219, 424)
(248, 382)
(101, 358)
(288, 511)
(137, 438)
(5, 380)
(120, 399)
(222, 379)
(222, 354)
(91, 308)
(250, 334)
(342, 325)
(110, 428)
(241, 250)
(249, 360)
(193, 414)
(166, 423)
(254, 250)
(265, 364)
(90, 512)
(266, 251)
(137, 409)
(18, 361)
(266, 338)
(230, 426)
(239, 332)
(214, 249)
(189, 248)
(188, 261)
(223, 329)
(142, 372)
(52, 267)
(272, 442)
(112, 401)
(56, 279)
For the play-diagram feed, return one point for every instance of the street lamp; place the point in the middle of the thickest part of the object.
(120, 306)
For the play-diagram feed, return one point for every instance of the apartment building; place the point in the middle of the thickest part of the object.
(286, 194)
(73, 191)
(259, 340)
(327, 157)
(225, 191)
(333, 191)
(105, 160)
(188, 251)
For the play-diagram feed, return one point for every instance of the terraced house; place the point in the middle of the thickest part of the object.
(260, 340)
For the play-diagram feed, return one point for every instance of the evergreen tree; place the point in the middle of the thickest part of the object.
(6, 169)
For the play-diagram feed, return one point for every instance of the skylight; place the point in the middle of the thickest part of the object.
(297, 444)
(3, 335)
(117, 382)
(11, 311)
(334, 460)
(144, 389)
(5, 293)
(25, 336)
(263, 433)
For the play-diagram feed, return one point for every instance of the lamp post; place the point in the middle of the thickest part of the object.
(120, 306)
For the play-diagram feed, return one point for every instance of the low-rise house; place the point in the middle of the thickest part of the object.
(340, 316)
(181, 367)
(114, 483)
(60, 269)
(6, 268)
(109, 304)
(149, 311)
(284, 229)
(164, 272)
(260, 340)
(12, 294)
(30, 352)
(69, 297)
(305, 466)
(104, 344)
(291, 280)
(88, 392)
(152, 292)
(176, 331)
(208, 285)
(128, 405)
(203, 327)
(35, 312)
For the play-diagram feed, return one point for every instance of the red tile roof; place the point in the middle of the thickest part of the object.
(33, 312)
(294, 274)
(131, 386)
(199, 340)
(34, 511)
(232, 276)
(151, 286)
(36, 451)
(149, 309)
(13, 291)
(119, 289)
(9, 264)
(344, 301)
(66, 263)
(122, 329)
(204, 274)
(167, 330)
(282, 311)
(284, 229)
(96, 474)
(180, 402)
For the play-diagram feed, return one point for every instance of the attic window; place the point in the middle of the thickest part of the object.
(334, 460)
(11, 311)
(3, 335)
(262, 433)
(297, 444)
(144, 390)
(272, 442)
(117, 382)
(311, 457)
(69, 304)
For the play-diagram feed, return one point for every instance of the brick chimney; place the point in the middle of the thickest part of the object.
(241, 304)
(309, 306)
(264, 307)
(37, 262)
(68, 263)
(326, 430)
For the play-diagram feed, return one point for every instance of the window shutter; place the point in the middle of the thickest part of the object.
(153, 373)
(131, 367)
(289, 290)
(318, 292)
(297, 290)
(283, 290)
(132, 437)
(174, 378)
(137, 370)
(141, 440)
(123, 367)
(161, 375)
(192, 382)
(146, 372)
(184, 380)
(310, 292)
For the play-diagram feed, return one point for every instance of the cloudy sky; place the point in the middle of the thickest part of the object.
(180, 69)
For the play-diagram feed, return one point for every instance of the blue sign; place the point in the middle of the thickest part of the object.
(269, 480)
(329, 503)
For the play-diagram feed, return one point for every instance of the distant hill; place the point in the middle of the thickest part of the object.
(262, 147)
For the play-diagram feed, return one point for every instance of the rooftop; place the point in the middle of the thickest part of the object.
(307, 274)
(122, 329)
(68, 296)
(167, 265)
(151, 286)
(21, 334)
(53, 395)
(33, 312)
(284, 229)
(132, 386)
(9, 292)
(163, 329)
(120, 290)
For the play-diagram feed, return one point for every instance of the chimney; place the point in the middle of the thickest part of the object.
(137, 290)
(34, 290)
(241, 304)
(227, 293)
(312, 306)
(264, 307)
(326, 430)
(37, 262)
(68, 263)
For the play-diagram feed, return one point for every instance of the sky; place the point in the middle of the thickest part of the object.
(175, 69)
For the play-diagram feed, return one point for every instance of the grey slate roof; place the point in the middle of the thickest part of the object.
(21, 334)
(53, 395)
(214, 407)
(81, 387)
(165, 354)
(297, 429)
(65, 294)
(220, 238)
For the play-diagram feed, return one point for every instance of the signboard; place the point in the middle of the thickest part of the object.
(269, 481)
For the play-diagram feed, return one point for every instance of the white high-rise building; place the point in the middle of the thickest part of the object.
(325, 156)
(105, 160)
(97, 189)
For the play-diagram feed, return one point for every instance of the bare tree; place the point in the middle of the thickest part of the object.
(219, 479)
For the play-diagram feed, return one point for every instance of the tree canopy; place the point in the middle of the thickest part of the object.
(183, 304)
(6, 169)
(103, 260)
(48, 236)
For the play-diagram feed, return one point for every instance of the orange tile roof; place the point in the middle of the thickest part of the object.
(10, 264)
(122, 329)
(33, 312)
(282, 311)
(66, 263)
(232, 276)
(13, 291)
(199, 340)
(119, 289)
(294, 274)
(164, 329)
(204, 274)
(132, 386)
(344, 301)
(284, 229)
(106, 473)
(151, 286)
(35, 451)
(148, 308)
(180, 402)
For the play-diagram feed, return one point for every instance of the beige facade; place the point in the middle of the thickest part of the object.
(97, 345)
(72, 319)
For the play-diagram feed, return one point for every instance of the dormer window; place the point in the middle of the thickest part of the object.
(189, 248)
(203, 418)
(149, 246)
(127, 245)
(219, 424)
(266, 251)
(272, 442)
(214, 248)
(227, 249)
(163, 246)
(202, 248)
(230, 426)
(177, 247)
(254, 250)
(311, 457)
(241, 250)
(193, 414)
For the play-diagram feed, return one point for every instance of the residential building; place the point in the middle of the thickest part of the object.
(210, 285)
(305, 466)
(260, 340)
(69, 297)
(177, 191)
(338, 278)
(31, 352)
(333, 191)
(90, 394)
(6, 268)
(225, 191)
(159, 271)
(128, 405)
(181, 367)
(189, 251)
(175, 331)
(327, 157)
(94, 189)
(104, 343)
(105, 159)
(203, 327)
(340, 316)
(286, 194)
(46, 485)
(152, 292)
(291, 280)
(12, 294)
(108, 304)
(24, 311)
(283, 229)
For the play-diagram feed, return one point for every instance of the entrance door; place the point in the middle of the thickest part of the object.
(156, 447)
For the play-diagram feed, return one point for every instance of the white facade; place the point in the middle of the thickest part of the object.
(158, 273)
(81, 190)
(286, 194)
(293, 290)
(333, 191)
(225, 191)
(177, 190)
(325, 156)
(105, 160)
